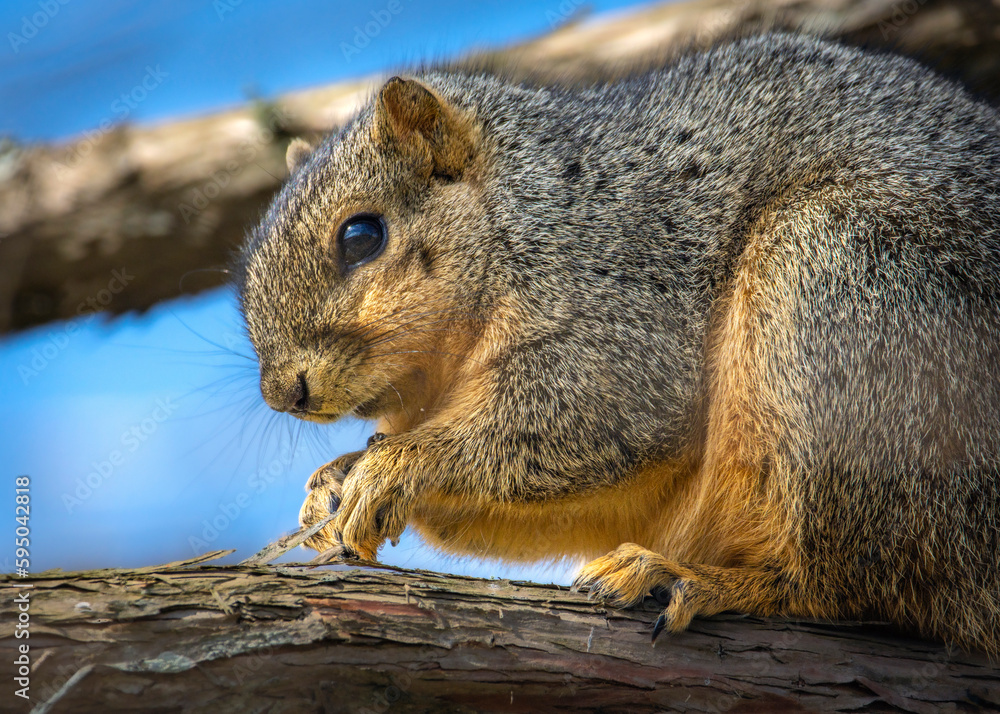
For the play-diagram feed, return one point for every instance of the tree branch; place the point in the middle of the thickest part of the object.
(294, 639)
(165, 205)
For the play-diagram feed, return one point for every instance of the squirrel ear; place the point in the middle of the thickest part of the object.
(408, 106)
(412, 117)
(298, 152)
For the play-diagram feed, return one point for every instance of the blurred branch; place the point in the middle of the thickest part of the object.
(165, 205)
(293, 639)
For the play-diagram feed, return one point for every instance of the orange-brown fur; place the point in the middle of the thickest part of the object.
(729, 329)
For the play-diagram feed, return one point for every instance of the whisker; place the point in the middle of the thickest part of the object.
(401, 311)
(427, 352)
(394, 428)
(417, 330)
(415, 318)
(401, 405)
(224, 271)
(222, 348)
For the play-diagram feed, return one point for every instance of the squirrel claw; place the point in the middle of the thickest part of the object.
(658, 626)
(597, 592)
(334, 553)
(582, 585)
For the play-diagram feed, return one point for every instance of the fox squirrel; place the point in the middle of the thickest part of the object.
(731, 327)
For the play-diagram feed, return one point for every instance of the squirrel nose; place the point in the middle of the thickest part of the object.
(300, 394)
(291, 397)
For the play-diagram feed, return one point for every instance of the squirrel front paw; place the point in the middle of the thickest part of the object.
(374, 506)
(324, 491)
(370, 498)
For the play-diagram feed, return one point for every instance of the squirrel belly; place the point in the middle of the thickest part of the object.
(583, 526)
(730, 329)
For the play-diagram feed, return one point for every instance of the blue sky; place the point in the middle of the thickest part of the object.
(145, 437)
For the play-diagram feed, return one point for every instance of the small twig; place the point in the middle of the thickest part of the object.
(286, 543)
(204, 558)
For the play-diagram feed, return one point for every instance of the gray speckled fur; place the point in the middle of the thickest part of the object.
(619, 214)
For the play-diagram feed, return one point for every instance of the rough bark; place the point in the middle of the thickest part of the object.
(184, 638)
(165, 205)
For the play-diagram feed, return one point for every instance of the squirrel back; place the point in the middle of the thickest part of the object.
(739, 317)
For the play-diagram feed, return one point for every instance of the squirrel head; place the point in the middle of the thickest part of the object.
(360, 277)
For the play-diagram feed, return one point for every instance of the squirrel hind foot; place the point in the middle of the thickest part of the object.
(624, 577)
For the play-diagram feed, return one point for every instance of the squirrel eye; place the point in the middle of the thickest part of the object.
(361, 238)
